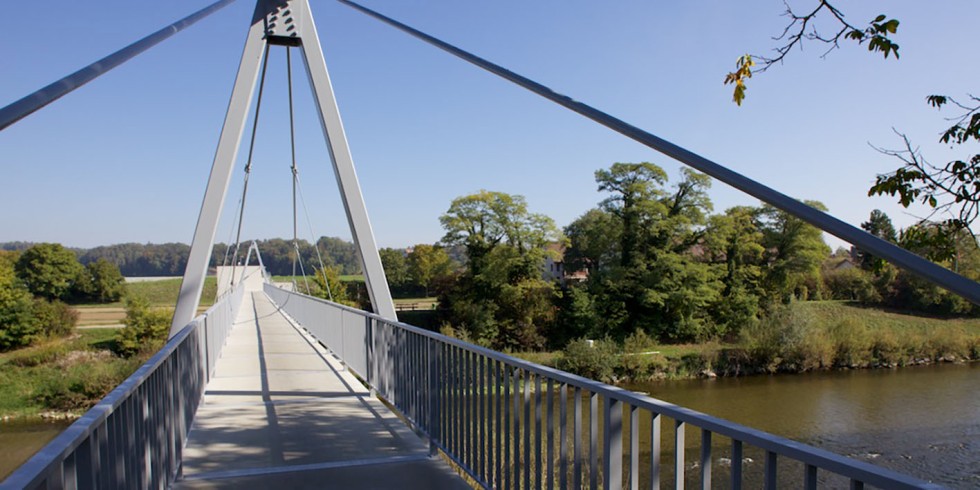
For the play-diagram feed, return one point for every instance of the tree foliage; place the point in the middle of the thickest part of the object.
(49, 270)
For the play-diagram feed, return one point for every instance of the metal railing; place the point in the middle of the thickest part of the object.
(509, 423)
(134, 437)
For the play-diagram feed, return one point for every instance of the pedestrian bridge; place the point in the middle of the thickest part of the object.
(270, 387)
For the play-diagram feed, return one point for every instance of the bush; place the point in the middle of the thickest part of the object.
(852, 284)
(145, 329)
(597, 361)
(777, 338)
(81, 386)
(852, 343)
(54, 318)
(17, 325)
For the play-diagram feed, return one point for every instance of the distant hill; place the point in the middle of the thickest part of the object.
(170, 259)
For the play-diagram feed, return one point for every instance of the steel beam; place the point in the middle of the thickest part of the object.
(343, 162)
(224, 162)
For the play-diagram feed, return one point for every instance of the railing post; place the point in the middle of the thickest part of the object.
(434, 359)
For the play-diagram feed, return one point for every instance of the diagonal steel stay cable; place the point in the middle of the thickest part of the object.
(903, 258)
(34, 101)
(248, 163)
(319, 258)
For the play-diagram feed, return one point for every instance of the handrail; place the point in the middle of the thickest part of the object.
(34, 101)
(383, 353)
(134, 436)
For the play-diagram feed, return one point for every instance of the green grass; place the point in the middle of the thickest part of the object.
(165, 292)
(877, 318)
(63, 375)
(309, 276)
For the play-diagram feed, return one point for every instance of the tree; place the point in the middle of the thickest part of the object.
(795, 251)
(734, 241)
(428, 263)
(879, 225)
(103, 282)
(395, 266)
(593, 241)
(802, 28)
(146, 328)
(500, 300)
(17, 325)
(328, 286)
(952, 190)
(49, 270)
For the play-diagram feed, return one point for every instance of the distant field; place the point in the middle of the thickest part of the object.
(161, 294)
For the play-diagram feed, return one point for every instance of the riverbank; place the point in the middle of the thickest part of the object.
(805, 336)
(62, 378)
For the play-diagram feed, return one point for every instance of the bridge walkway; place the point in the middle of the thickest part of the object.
(282, 411)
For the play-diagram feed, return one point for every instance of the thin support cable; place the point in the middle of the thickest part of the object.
(292, 148)
(903, 258)
(248, 163)
(55, 90)
(316, 245)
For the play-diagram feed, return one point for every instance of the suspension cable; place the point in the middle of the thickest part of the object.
(316, 244)
(248, 163)
(292, 149)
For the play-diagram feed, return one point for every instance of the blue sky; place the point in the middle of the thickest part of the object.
(126, 157)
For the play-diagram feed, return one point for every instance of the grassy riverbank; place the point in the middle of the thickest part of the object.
(806, 336)
(62, 377)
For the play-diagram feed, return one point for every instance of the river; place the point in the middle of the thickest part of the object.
(923, 421)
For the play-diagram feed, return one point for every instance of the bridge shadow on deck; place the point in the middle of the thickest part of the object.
(281, 410)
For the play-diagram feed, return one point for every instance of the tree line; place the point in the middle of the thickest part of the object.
(658, 261)
(170, 259)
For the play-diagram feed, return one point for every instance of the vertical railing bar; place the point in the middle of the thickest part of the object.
(655, 439)
(527, 428)
(736, 464)
(484, 386)
(810, 477)
(498, 428)
(518, 464)
(634, 448)
(705, 459)
(563, 435)
(538, 433)
(594, 441)
(577, 439)
(679, 428)
(507, 434)
(770, 471)
(471, 411)
(613, 438)
(433, 412)
(550, 472)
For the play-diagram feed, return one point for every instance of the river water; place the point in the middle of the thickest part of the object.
(923, 421)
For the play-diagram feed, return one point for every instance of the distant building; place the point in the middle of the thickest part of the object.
(554, 266)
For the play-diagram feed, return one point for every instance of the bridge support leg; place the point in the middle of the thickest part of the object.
(290, 23)
(224, 161)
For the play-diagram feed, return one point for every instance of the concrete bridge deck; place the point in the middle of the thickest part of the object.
(282, 411)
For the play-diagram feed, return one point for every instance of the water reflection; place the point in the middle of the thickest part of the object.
(924, 421)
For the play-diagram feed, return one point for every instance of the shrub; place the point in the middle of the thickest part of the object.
(17, 325)
(146, 329)
(852, 343)
(81, 386)
(636, 363)
(597, 361)
(54, 318)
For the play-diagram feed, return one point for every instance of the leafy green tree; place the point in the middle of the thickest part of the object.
(328, 286)
(594, 240)
(795, 251)
(427, 264)
(500, 300)
(879, 225)
(102, 282)
(395, 266)
(49, 270)
(146, 328)
(734, 241)
(658, 285)
(18, 327)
